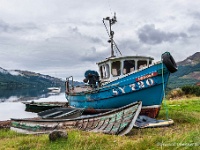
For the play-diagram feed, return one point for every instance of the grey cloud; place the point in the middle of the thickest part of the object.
(194, 28)
(150, 35)
(71, 48)
(9, 28)
(91, 55)
(128, 45)
(5, 27)
(77, 34)
(196, 14)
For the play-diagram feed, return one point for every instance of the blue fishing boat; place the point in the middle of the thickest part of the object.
(122, 80)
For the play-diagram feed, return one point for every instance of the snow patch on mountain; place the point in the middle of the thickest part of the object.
(15, 73)
(3, 71)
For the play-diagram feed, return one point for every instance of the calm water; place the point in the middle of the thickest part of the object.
(12, 107)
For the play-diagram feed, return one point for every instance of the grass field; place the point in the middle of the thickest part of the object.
(184, 134)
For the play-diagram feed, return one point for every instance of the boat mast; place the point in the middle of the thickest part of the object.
(110, 32)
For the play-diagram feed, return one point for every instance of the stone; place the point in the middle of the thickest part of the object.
(57, 134)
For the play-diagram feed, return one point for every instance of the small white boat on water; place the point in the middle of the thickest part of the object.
(54, 89)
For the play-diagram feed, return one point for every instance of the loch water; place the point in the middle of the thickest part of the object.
(12, 106)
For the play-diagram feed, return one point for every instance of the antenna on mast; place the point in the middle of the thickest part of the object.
(110, 32)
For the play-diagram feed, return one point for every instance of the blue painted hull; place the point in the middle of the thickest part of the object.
(145, 85)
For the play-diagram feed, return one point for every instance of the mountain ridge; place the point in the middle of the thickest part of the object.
(191, 60)
(188, 72)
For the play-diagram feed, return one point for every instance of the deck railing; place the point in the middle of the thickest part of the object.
(69, 85)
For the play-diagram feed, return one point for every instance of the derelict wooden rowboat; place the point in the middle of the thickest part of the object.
(118, 122)
(41, 106)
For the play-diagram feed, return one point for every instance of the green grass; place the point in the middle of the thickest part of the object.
(184, 134)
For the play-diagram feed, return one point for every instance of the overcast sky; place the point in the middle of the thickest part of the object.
(64, 37)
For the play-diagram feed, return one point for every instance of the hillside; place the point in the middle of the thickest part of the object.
(17, 79)
(27, 84)
(188, 72)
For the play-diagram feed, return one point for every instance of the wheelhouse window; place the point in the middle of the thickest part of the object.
(150, 62)
(141, 64)
(104, 71)
(129, 66)
(116, 68)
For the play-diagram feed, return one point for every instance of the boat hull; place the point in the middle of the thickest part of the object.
(147, 85)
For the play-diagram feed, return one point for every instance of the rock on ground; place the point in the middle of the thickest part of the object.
(57, 134)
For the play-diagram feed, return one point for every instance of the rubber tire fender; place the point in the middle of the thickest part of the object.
(169, 62)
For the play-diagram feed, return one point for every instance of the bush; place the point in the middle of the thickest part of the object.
(175, 93)
(191, 89)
